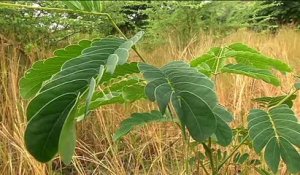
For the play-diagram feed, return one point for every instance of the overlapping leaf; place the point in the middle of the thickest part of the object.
(277, 132)
(192, 94)
(32, 81)
(48, 110)
(127, 90)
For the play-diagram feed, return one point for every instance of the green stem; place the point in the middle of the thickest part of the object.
(231, 154)
(285, 98)
(210, 157)
(187, 150)
(61, 10)
(218, 61)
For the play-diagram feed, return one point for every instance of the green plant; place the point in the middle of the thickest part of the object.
(63, 91)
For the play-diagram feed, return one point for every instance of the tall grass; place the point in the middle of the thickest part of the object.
(154, 149)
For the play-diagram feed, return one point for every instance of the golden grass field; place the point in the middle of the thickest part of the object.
(154, 149)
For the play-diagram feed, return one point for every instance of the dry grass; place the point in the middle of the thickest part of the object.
(155, 149)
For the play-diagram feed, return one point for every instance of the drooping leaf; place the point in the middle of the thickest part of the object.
(277, 131)
(46, 114)
(253, 72)
(138, 120)
(223, 131)
(67, 138)
(90, 95)
(272, 101)
(192, 94)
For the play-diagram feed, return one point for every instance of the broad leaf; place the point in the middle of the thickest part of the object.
(272, 101)
(42, 70)
(138, 120)
(48, 110)
(192, 94)
(253, 72)
(277, 131)
(223, 131)
(67, 138)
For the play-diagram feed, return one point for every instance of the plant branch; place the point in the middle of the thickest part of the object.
(285, 98)
(210, 156)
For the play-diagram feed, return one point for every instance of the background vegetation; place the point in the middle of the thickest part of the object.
(181, 30)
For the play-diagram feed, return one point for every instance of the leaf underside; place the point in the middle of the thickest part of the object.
(191, 93)
(48, 110)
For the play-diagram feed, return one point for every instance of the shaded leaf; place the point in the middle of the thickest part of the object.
(276, 131)
(192, 94)
(48, 110)
(138, 120)
(223, 131)
(67, 138)
(272, 101)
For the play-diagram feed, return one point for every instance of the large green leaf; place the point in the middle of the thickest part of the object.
(223, 131)
(277, 131)
(48, 110)
(192, 94)
(253, 72)
(67, 138)
(139, 119)
(42, 70)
